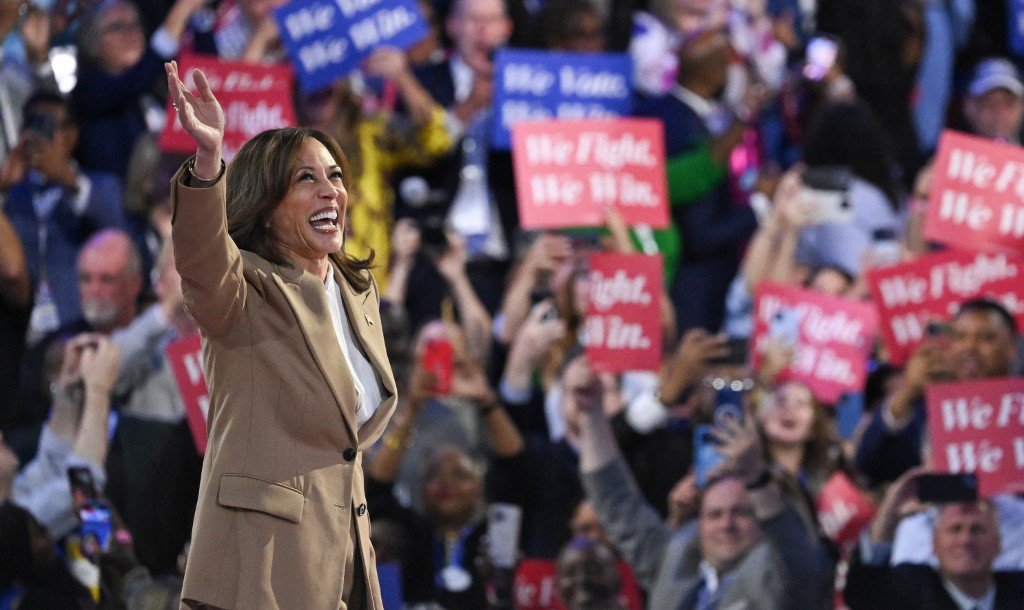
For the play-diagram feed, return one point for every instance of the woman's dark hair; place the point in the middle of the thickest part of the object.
(258, 180)
(848, 134)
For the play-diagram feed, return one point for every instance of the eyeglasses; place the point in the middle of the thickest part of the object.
(116, 27)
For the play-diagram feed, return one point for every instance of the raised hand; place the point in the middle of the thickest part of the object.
(200, 113)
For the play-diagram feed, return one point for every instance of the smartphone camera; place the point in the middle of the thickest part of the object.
(822, 53)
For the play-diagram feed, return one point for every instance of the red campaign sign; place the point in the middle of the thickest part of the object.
(833, 337)
(536, 586)
(254, 97)
(932, 287)
(622, 331)
(843, 509)
(978, 426)
(977, 194)
(186, 358)
(568, 172)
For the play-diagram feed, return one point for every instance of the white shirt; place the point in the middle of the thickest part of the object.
(369, 391)
(964, 602)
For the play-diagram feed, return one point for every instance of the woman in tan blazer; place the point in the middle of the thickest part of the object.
(299, 380)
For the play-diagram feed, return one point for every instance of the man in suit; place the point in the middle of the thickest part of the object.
(712, 226)
(472, 188)
(965, 540)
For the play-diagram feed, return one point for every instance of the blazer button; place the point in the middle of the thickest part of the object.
(361, 510)
(349, 454)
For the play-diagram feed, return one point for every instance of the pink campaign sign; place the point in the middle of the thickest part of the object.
(833, 342)
(843, 509)
(622, 330)
(909, 295)
(977, 195)
(978, 426)
(254, 98)
(185, 356)
(568, 172)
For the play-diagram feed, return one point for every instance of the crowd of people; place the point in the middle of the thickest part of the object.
(597, 471)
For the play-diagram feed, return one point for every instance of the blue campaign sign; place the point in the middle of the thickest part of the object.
(1015, 21)
(534, 85)
(328, 39)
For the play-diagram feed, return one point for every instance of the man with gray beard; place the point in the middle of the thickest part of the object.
(109, 277)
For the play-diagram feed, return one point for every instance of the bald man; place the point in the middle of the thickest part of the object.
(966, 542)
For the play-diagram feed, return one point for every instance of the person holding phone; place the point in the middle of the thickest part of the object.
(299, 379)
(966, 541)
(980, 342)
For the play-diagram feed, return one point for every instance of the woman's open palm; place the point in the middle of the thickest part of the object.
(200, 113)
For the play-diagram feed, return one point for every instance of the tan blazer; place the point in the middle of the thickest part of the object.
(281, 500)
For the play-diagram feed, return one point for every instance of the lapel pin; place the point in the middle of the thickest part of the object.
(369, 320)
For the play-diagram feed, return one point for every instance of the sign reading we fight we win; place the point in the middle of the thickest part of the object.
(978, 426)
(977, 195)
(622, 329)
(568, 171)
(932, 287)
(254, 99)
(327, 39)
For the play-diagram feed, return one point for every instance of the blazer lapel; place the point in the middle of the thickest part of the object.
(366, 327)
(309, 303)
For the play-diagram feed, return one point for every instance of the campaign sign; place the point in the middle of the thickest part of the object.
(328, 39)
(569, 171)
(978, 426)
(622, 330)
(537, 85)
(535, 586)
(977, 195)
(1015, 23)
(832, 336)
(185, 356)
(254, 98)
(932, 287)
(843, 509)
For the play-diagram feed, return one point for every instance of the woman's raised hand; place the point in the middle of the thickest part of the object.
(200, 113)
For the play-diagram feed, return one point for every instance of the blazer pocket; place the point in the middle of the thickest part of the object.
(251, 493)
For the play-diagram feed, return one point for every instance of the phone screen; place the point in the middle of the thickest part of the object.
(438, 358)
(705, 454)
(939, 488)
(821, 57)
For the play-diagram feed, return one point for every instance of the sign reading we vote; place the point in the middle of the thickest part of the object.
(328, 39)
(537, 85)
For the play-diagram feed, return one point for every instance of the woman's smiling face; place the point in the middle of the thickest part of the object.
(309, 223)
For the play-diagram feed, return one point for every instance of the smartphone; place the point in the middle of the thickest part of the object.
(821, 55)
(438, 358)
(849, 411)
(432, 236)
(944, 488)
(705, 454)
(503, 523)
(736, 353)
(825, 191)
(784, 326)
(96, 529)
(95, 523)
(728, 405)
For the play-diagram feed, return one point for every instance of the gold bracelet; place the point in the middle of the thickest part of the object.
(192, 172)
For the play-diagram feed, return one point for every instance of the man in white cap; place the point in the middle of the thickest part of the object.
(994, 106)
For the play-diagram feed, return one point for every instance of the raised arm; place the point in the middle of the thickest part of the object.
(206, 257)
